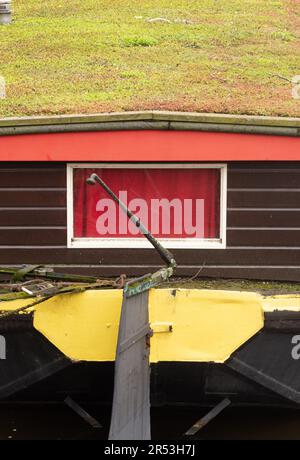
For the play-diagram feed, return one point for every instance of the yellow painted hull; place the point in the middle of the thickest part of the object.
(190, 325)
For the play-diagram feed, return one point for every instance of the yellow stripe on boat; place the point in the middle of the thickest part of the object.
(206, 325)
(290, 302)
(189, 324)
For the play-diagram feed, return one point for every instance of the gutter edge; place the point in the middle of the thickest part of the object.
(152, 120)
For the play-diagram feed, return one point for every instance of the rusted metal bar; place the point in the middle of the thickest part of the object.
(82, 413)
(208, 417)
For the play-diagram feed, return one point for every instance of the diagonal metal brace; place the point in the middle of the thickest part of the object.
(208, 417)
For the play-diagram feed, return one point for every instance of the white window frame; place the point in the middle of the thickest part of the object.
(170, 243)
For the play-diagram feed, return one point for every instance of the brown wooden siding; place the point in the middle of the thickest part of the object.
(263, 228)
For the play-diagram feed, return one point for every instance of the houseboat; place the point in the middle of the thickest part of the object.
(221, 192)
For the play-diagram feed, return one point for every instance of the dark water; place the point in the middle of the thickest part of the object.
(59, 422)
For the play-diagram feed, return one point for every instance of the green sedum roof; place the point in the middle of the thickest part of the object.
(229, 56)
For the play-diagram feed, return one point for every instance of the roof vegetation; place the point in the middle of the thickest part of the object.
(229, 56)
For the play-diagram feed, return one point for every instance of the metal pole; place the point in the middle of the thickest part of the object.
(166, 255)
(131, 400)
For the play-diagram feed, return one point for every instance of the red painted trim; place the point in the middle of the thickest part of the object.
(148, 146)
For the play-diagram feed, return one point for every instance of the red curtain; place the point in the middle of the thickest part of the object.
(196, 193)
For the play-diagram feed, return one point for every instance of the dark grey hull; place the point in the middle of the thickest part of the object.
(261, 372)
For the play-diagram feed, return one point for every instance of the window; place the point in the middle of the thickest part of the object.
(183, 205)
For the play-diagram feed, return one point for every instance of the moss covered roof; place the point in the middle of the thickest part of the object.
(229, 56)
(263, 287)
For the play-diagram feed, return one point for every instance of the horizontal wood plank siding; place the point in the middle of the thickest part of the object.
(60, 255)
(41, 217)
(259, 198)
(263, 222)
(32, 236)
(263, 237)
(12, 177)
(32, 198)
(264, 178)
(258, 218)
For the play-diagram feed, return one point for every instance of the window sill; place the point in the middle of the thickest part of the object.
(139, 243)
